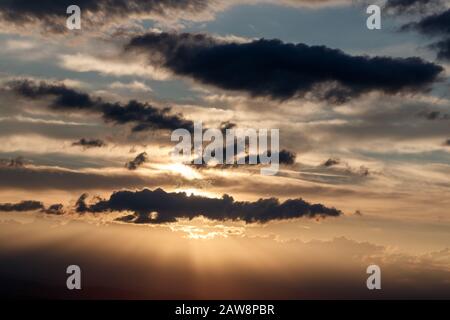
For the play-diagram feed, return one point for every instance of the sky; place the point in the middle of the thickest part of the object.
(87, 175)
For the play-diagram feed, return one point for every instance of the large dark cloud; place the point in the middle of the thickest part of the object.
(52, 14)
(283, 70)
(159, 206)
(143, 115)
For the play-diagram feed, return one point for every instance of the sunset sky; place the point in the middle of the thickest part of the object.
(87, 176)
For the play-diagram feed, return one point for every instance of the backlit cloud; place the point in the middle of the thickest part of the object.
(159, 206)
(296, 70)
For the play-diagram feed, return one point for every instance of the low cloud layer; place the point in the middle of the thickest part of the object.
(142, 115)
(159, 206)
(296, 70)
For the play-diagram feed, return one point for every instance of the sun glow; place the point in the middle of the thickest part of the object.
(182, 169)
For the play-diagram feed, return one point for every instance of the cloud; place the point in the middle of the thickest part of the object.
(402, 7)
(296, 70)
(97, 15)
(443, 48)
(159, 206)
(227, 125)
(434, 115)
(80, 205)
(239, 267)
(143, 115)
(31, 205)
(126, 66)
(437, 24)
(285, 157)
(17, 162)
(89, 143)
(26, 205)
(331, 162)
(56, 209)
(51, 15)
(137, 162)
(133, 86)
(40, 179)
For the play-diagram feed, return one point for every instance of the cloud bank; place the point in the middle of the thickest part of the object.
(143, 115)
(159, 206)
(295, 70)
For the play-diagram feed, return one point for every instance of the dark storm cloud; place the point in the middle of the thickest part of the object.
(137, 162)
(142, 115)
(89, 143)
(159, 206)
(52, 14)
(283, 70)
(437, 24)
